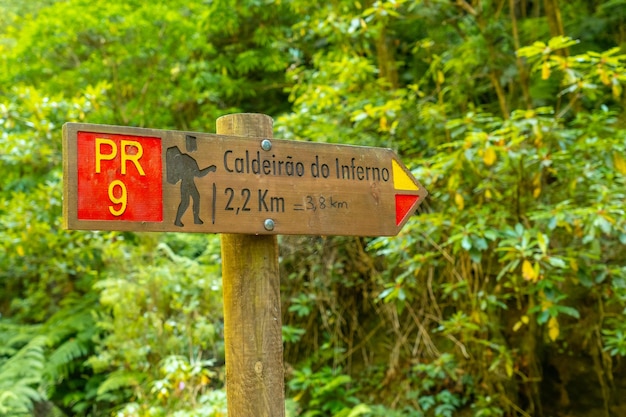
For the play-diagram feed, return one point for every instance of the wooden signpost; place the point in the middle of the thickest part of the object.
(250, 187)
(124, 178)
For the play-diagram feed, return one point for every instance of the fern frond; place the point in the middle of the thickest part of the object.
(14, 336)
(26, 363)
(118, 380)
(19, 399)
(18, 377)
(74, 318)
(61, 362)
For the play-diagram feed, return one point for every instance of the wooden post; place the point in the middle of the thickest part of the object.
(252, 320)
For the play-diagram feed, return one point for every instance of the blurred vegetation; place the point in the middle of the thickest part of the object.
(505, 296)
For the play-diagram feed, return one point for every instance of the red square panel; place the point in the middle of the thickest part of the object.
(119, 177)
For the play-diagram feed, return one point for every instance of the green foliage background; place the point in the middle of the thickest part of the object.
(505, 296)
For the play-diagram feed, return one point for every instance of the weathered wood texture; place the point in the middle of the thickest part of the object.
(252, 318)
(127, 178)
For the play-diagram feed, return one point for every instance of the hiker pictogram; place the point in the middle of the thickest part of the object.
(184, 168)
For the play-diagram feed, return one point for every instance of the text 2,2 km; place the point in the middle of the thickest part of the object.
(259, 200)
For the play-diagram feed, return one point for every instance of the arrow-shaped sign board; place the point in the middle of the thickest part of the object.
(135, 179)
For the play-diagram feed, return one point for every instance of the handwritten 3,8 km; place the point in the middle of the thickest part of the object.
(124, 178)
(258, 200)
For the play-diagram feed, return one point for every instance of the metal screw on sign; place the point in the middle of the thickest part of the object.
(268, 224)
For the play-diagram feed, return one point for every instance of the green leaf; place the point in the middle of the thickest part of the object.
(466, 243)
(556, 262)
(570, 311)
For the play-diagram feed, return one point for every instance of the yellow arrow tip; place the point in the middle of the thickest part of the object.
(402, 180)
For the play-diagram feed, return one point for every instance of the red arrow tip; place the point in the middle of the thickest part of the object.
(404, 203)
